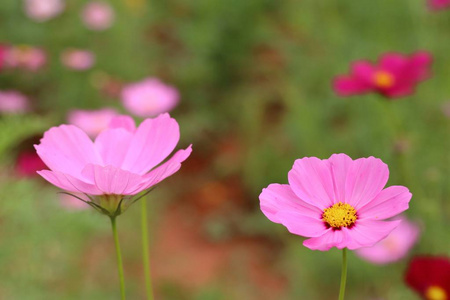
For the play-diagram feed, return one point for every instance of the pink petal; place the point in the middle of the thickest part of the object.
(390, 202)
(113, 181)
(153, 141)
(366, 178)
(125, 122)
(363, 71)
(339, 164)
(310, 179)
(419, 66)
(300, 224)
(331, 238)
(348, 86)
(69, 183)
(399, 90)
(67, 149)
(112, 145)
(165, 170)
(367, 233)
(280, 197)
(393, 63)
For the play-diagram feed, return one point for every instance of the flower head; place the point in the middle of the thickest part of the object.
(25, 57)
(122, 161)
(395, 75)
(92, 122)
(336, 202)
(43, 10)
(438, 4)
(394, 247)
(149, 97)
(98, 15)
(77, 59)
(13, 102)
(430, 277)
(28, 163)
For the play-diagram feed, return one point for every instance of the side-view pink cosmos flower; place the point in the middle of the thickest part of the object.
(438, 4)
(336, 202)
(394, 247)
(122, 161)
(394, 76)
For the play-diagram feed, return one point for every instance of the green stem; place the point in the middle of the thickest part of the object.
(119, 258)
(145, 249)
(343, 274)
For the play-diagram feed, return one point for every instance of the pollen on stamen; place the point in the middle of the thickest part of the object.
(383, 79)
(339, 215)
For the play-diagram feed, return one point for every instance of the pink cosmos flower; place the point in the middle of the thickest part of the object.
(43, 10)
(149, 97)
(122, 161)
(394, 247)
(13, 102)
(336, 202)
(92, 122)
(28, 163)
(395, 75)
(438, 4)
(77, 59)
(98, 15)
(26, 57)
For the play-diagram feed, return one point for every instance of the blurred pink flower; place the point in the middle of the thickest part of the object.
(26, 57)
(149, 97)
(92, 122)
(337, 202)
(395, 75)
(73, 204)
(3, 50)
(28, 163)
(394, 247)
(122, 162)
(98, 15)
(77, 59)
(438, 4)
(43, 10)
(13, 102)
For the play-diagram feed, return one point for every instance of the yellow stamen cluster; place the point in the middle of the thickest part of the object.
(435, 292)
(383, 79)
(339, 215)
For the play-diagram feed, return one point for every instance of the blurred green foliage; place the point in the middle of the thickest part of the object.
(258, 73)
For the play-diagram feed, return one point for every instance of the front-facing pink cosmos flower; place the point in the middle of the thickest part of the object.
(122, 161)
(394, 247)
(395, 75)
(92, 122)
(438, 4)
(149, 97)
(77, 59)
(336, 202)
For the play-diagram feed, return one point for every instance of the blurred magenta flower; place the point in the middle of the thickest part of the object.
(337, 202)
(43, 10)
(122, 162)
(98, 15)
(149, 97)
(28, 163)
(78, 59)
(92, 122)
(71, 203)
(26, 57)
(13, 102)
(394, 247)
(430, 277)
(438, 4)
(395, 75)
(3, 50)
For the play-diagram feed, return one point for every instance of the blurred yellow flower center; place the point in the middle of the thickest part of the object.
(383, 79)
(435, 292)
(339, 215)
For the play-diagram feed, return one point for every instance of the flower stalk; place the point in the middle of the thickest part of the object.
(343, 274)
(119, 258)
(145, 250)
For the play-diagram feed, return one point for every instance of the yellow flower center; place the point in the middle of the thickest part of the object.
(383, 79)
(435, 292)
(339, 215)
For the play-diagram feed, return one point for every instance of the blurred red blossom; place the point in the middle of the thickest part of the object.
(430, 277)
(28, 163)
(394, 76)
(438, 4)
